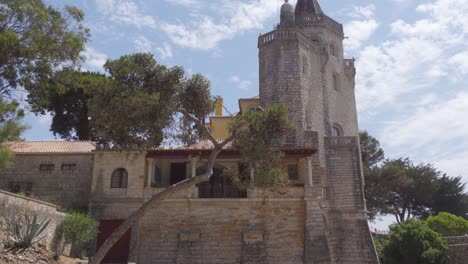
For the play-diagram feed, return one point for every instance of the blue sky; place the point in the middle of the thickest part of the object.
(412, 60)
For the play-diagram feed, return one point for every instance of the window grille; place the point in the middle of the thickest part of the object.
(68, 167)
(46, 167)
(119, 178)
(220, 186)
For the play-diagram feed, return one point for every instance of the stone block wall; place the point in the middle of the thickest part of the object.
(66, 188)
(13, 207)
(106, 162)
(347, 217)
(458, 249)
(223, 231)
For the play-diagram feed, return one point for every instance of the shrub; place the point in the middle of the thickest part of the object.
(78, 229)
(414, 242)
(27, 232)
(448, 224)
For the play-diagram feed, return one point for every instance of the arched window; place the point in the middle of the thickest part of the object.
(337, 131)
(119, 178)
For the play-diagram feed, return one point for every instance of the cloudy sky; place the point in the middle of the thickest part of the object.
(412, 60)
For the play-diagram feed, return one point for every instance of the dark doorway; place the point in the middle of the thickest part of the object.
(121, 250)
(178, 172)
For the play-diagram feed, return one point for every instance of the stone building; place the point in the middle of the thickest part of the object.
(56, 172)
(320, 217)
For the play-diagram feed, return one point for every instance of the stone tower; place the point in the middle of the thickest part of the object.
(302, 65)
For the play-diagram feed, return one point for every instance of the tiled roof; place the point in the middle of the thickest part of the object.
(204, 148)
(255, 98)
(51, 147)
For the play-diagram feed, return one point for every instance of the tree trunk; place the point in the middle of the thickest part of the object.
(153, 203)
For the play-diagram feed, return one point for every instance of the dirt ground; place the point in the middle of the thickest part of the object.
(34, 255)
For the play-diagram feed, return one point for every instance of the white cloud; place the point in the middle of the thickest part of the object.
(241, 84)
(142, 44)
(363, 11)
(165, 52)
(359, 31)
(454, 166)
(206, 32)
(434, 133)
(95, 60)
(186, 3)
(415, 56)
(460, 61)
(125, 12)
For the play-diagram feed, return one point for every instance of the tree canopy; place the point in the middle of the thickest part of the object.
(448, 224)
(406, 190)
(10, 128)
(414, 242)
(36, 40)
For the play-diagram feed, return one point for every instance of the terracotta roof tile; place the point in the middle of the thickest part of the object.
(51, 147)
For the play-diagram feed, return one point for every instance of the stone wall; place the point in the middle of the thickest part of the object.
(458, 249)
(67, 188)
(13, 207)
(347, 217)
(223, 231)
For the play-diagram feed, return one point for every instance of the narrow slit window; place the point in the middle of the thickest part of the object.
(336, 83)
(288, 68)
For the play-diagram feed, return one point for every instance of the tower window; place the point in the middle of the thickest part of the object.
(305, 67)
(288, 67)
(270, 66)
(291, 139)
(119, 178)
(337, 131)
(332, 50)
(336, 83)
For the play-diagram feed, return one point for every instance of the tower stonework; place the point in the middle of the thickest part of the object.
(302, 65)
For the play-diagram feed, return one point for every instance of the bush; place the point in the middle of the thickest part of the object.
(414, 242)
(78, 229)
(448, 224)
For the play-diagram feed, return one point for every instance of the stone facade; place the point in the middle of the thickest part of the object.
(302, 66)
(66, 182)
(320, 217)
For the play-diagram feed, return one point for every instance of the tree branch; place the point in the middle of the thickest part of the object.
(202, 127)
